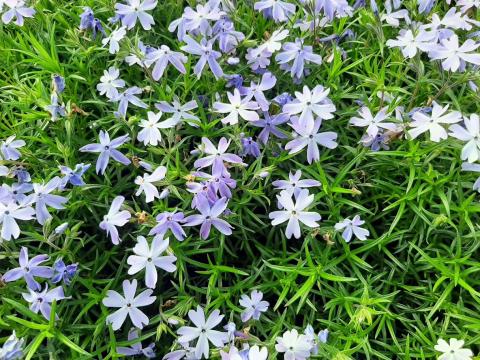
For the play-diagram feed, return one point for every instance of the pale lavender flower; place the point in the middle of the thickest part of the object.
(73, 176)
(139, 55)
(468, 4)
(218, 183)
(294, 184)
(308, 136)
(279, 10)
(269, 126)
(42, 198)
(63, 272)
(257, 59)
(135, 10)
(169, 221)
(114, 39)
(455, 56)
(17, 10)
(128, 305)
(373, 123)
(204, 49)
(475, 168)
(136, 349)
(29, 269)
(392, 17)
(254, 305)
(161, 58)
(315, 339)
(179, 112)
(235, 81)
(295, 56)
(107, 148)
(224, 32)
(110, 83)
(55, 109)
(411, 43)
(309, 103)
(12, 348)
(86, 18)
(237, 107)
(216, 156)
(149, 258)
(146, 181)
(203, 331)
(197, 21)
(267, 82)
(333, 8)
(469, 134)
(209, 215)
(9, 213)
(425, 6)
(115, 218)
(250, 147)
(60, 229)
(9, 148)
(295, 346)
(294, 213)
(17, 192)
(128, 96)
(352, 227)
(150, 133)
(283, 99)
(422, 122)
(58, 83)
(40, 301)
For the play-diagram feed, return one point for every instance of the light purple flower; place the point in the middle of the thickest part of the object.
(258, 59)
(375, 123)
(149, 258)
(29, 269)
(410, 43)
(169, 221)
(135, 10)
(9, 212)
(9, 148)
(469, 134)
(115, 218)
(162, 57)
(475, 168)
(107, 148)
(351, 227)
(128, 305)
(110, 83)
(308, 136)
(298, 55)
(250, 147)
(17, 192)
(42, 198)
(294, 213)
(217, 156)
(269, 126)
(209, 215)
(204, 49)
(12, 348)
(254, 305)
(294, 185)
(228, 39)
(128, 96)
(114, 40)
(333, 8)
(179, 112)
(203, 331)
(237, 107)
(455, 56)
(40, 301)
(136, 349)
(63, 272)
(146, 181)
(309, 103)
(279, 10)
(197, 21)
(73, 176)
(267, 82)
(17, 10)
(295, 346)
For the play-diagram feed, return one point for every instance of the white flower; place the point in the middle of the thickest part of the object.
(150, 134)
(148, 258)
(410, 43)
(423, 123)
(274, 42)
(114, 39)
(179, 112)
(467, 4)
(109, 83)
(352, 227)
(294, 213)
(469, 134)
(373, 123)
(115, 218)
(295, 346)
(253, 304)
(453, 350)
(309, 103)
(392, 18)
(128, 304)
(237, 107)
(9, 213)
(255, 353)
(135, 10)
(146, 186)
(453, 55)
(203, 331)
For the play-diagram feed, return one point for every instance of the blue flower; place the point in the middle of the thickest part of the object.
(63, 272)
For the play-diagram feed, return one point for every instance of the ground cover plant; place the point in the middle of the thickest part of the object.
(243, 180)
